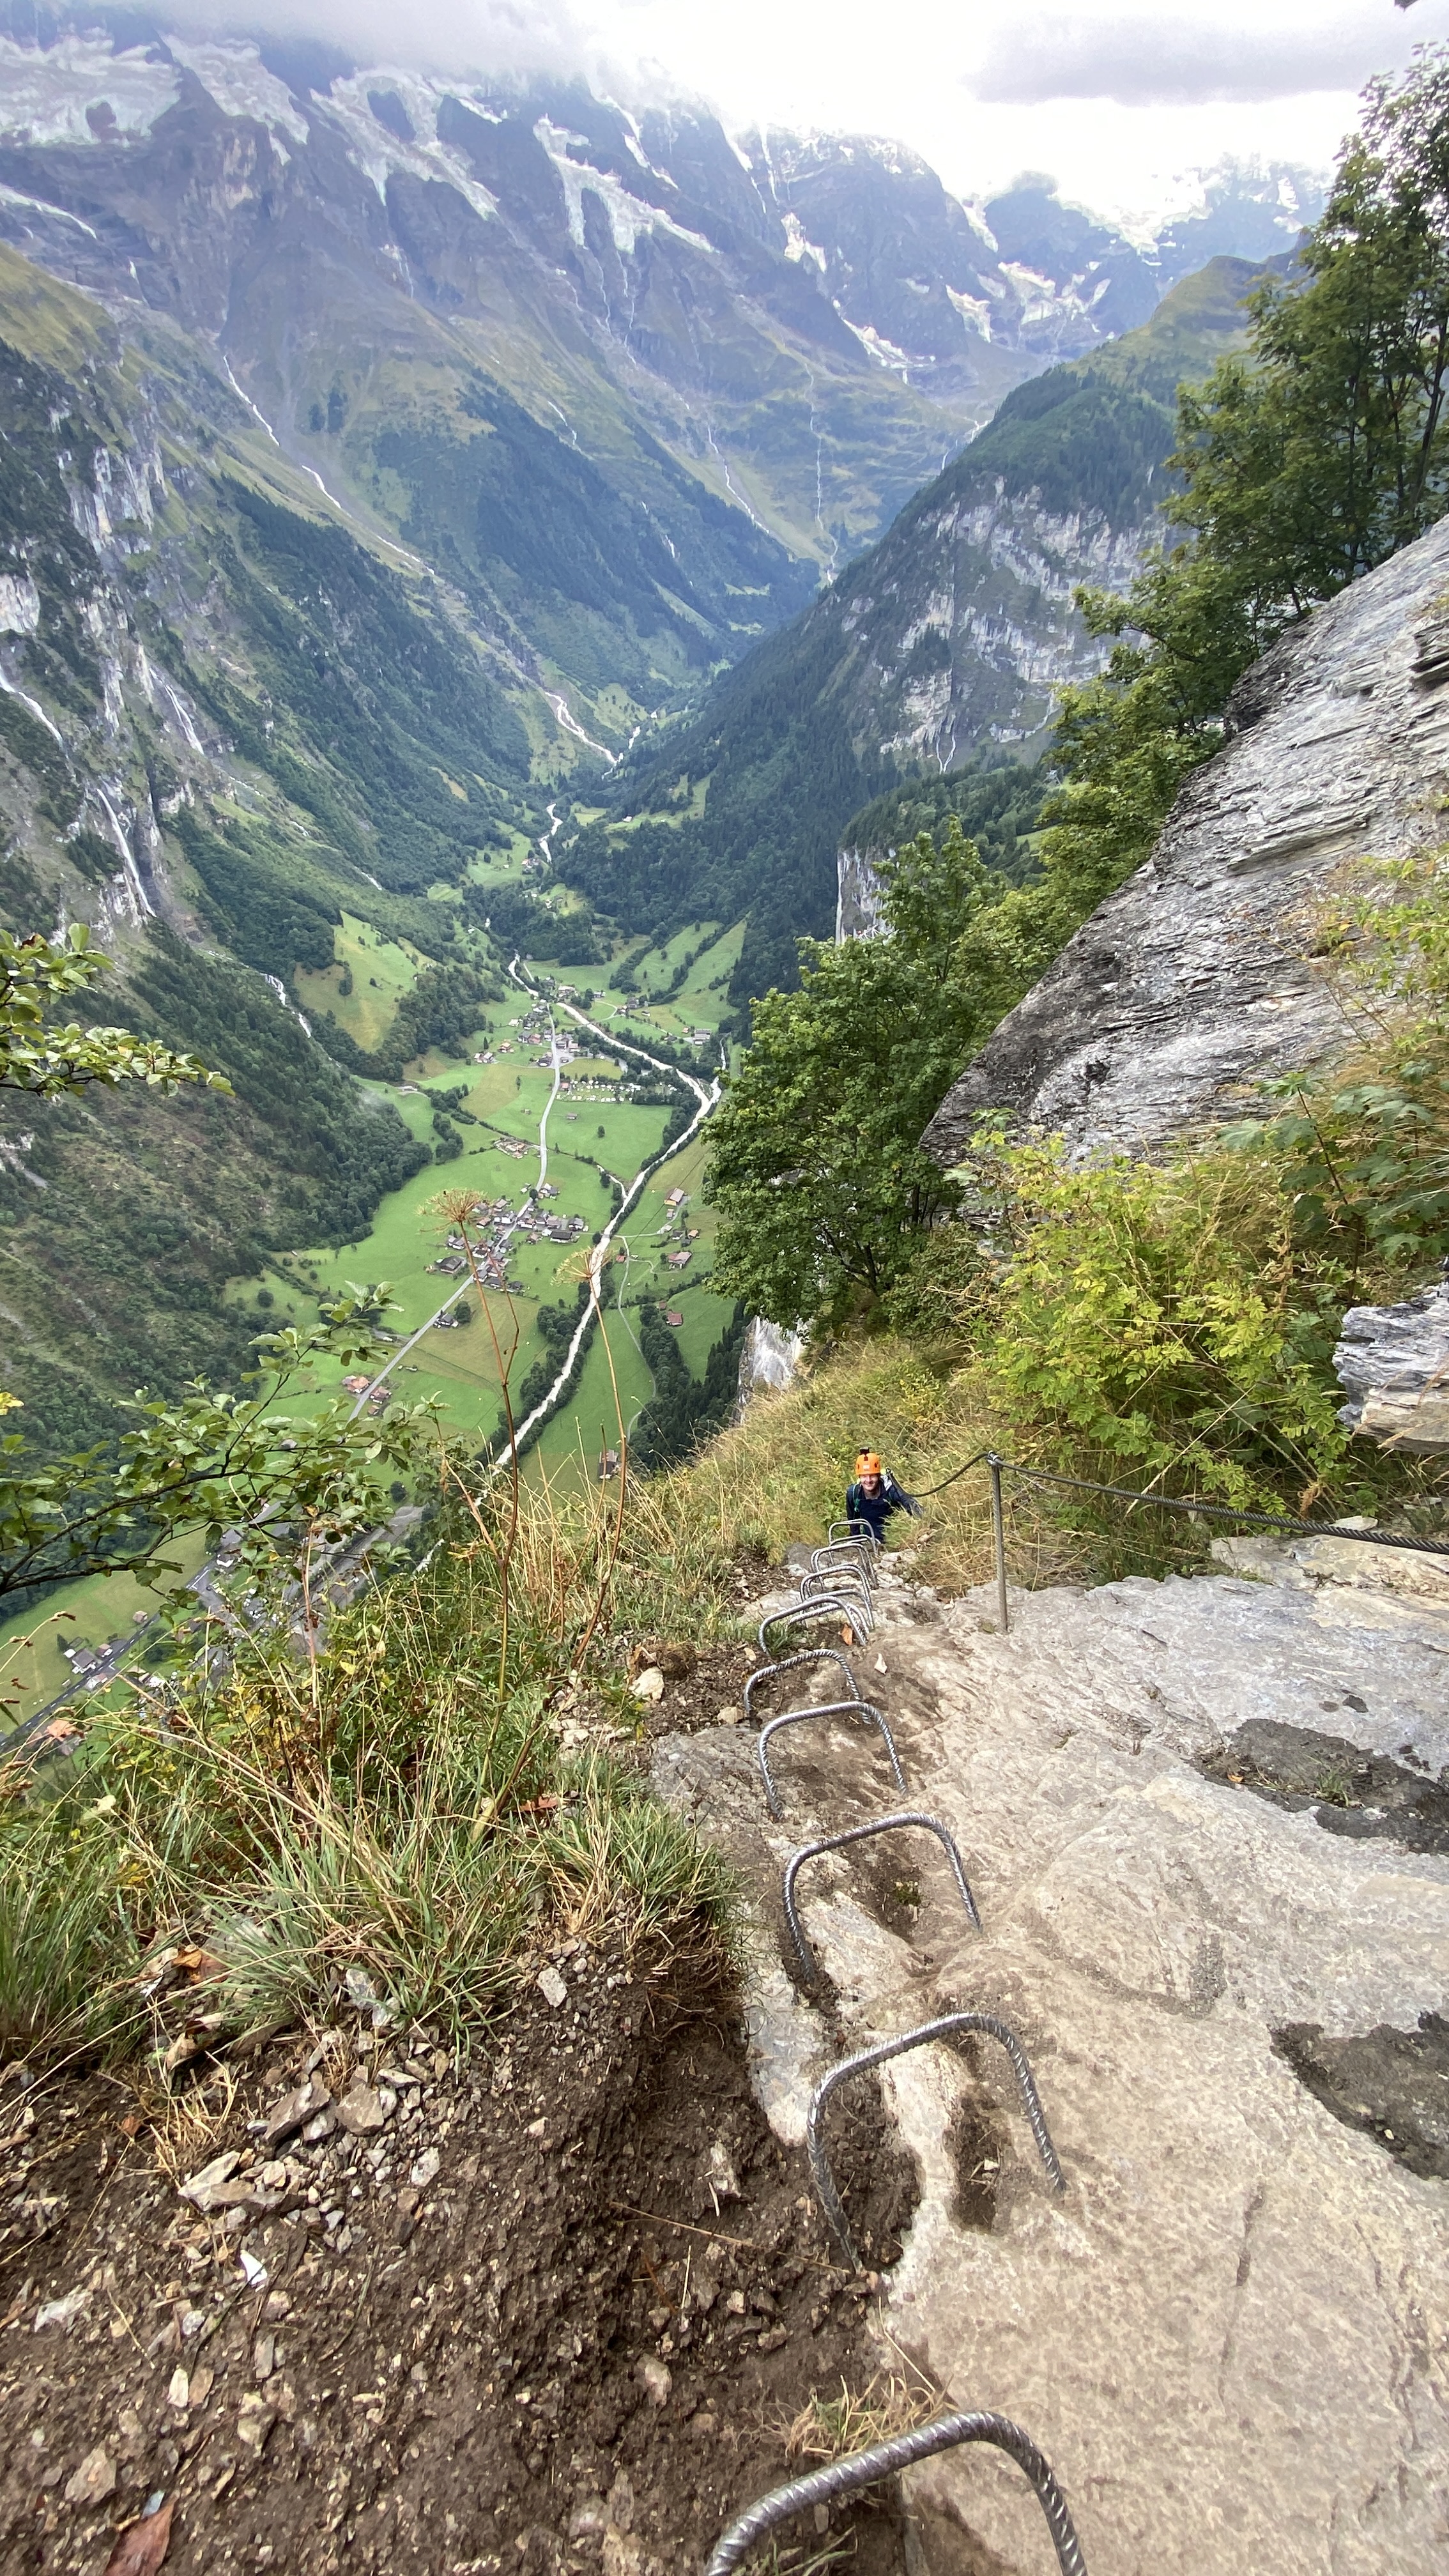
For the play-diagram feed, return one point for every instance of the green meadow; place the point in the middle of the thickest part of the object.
(457, 1364)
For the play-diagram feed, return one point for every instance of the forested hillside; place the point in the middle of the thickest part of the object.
(223, 720)
(379, 456)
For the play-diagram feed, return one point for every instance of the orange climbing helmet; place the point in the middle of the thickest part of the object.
(867, 1463)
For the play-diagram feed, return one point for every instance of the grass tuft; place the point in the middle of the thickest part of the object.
(389, 1816)
(835, 2428)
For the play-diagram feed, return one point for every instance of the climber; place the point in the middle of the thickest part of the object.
(875, 1495)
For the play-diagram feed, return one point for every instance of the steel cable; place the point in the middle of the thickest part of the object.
(1184, 1503)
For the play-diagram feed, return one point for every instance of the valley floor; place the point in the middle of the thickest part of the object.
(508, 1102)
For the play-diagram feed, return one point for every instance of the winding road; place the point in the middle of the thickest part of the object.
(706, 1095)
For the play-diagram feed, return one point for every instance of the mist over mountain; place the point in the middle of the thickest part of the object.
(762, 344)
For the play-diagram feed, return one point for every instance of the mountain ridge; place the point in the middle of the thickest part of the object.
(946, 639)
(798, 332)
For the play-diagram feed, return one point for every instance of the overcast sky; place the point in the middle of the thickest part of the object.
(1120, 99)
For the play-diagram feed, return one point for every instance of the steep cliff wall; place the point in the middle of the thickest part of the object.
(1198, 975)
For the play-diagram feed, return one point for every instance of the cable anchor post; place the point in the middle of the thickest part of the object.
(998, 1535)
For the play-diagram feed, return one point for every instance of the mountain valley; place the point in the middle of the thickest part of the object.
(942, 643)
(382, 457)
(808, 810)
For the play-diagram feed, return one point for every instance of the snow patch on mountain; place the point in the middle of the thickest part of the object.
(378, 152)
(80, 90)
(232, 72)
(628, 215)
(884, 352)
(797, 246)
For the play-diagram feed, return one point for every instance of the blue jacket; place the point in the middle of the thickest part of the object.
(875, 1509)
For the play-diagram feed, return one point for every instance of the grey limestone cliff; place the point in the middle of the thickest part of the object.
(859, 913)
(1204, 1822)
(1198, 976)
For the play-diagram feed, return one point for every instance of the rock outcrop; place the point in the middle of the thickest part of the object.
(1198, 976)
(1206, 1825)
(768, 1359)
(1393, 1364)
(859, 912)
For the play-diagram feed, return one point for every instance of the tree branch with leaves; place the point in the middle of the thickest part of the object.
(213, 1461)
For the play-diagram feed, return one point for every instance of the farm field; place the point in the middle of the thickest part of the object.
(493, 1107)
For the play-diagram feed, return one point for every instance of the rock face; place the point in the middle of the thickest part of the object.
(1228, 1983)
(859, 913)
(1197, 976)
(768, 1360)
(1393, 1364)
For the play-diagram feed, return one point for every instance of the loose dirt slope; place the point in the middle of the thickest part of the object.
(546, 2310)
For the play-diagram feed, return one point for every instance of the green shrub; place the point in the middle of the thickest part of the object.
(1153, 1316)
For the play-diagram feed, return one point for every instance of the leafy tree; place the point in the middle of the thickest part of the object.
(683, 1411)
(817, 1168)
(210, 1463)
(1303, 463)
(47, 1061)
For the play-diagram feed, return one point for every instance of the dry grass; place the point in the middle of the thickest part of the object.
(781, 1473)
(835, 2428)
(390, 1811)
(187, 2127)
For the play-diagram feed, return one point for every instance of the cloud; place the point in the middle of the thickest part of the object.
(1160, 62)
(483, 37)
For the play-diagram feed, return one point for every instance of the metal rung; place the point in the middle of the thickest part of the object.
(789, 1663)
(828, 1608)
(827, 1708)
(852, 1550)
(852, 1529)
(861, 2065)
(859, 1834)
(827, 1569)
(883, 2460)
(843, 1575)
(848, 1587)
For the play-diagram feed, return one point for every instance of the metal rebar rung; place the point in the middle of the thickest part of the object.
(857, 1834)
(831, 1606)
(826, 1708)
(789, 1663)
(821, 2174)
(828, 1565)
(852, 1529)
(882, 2460)
(852, 1551)
(839, 1578)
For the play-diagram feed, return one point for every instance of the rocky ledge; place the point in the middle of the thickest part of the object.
(1393, 1364)
(1206, 1823)
(1198, 975)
